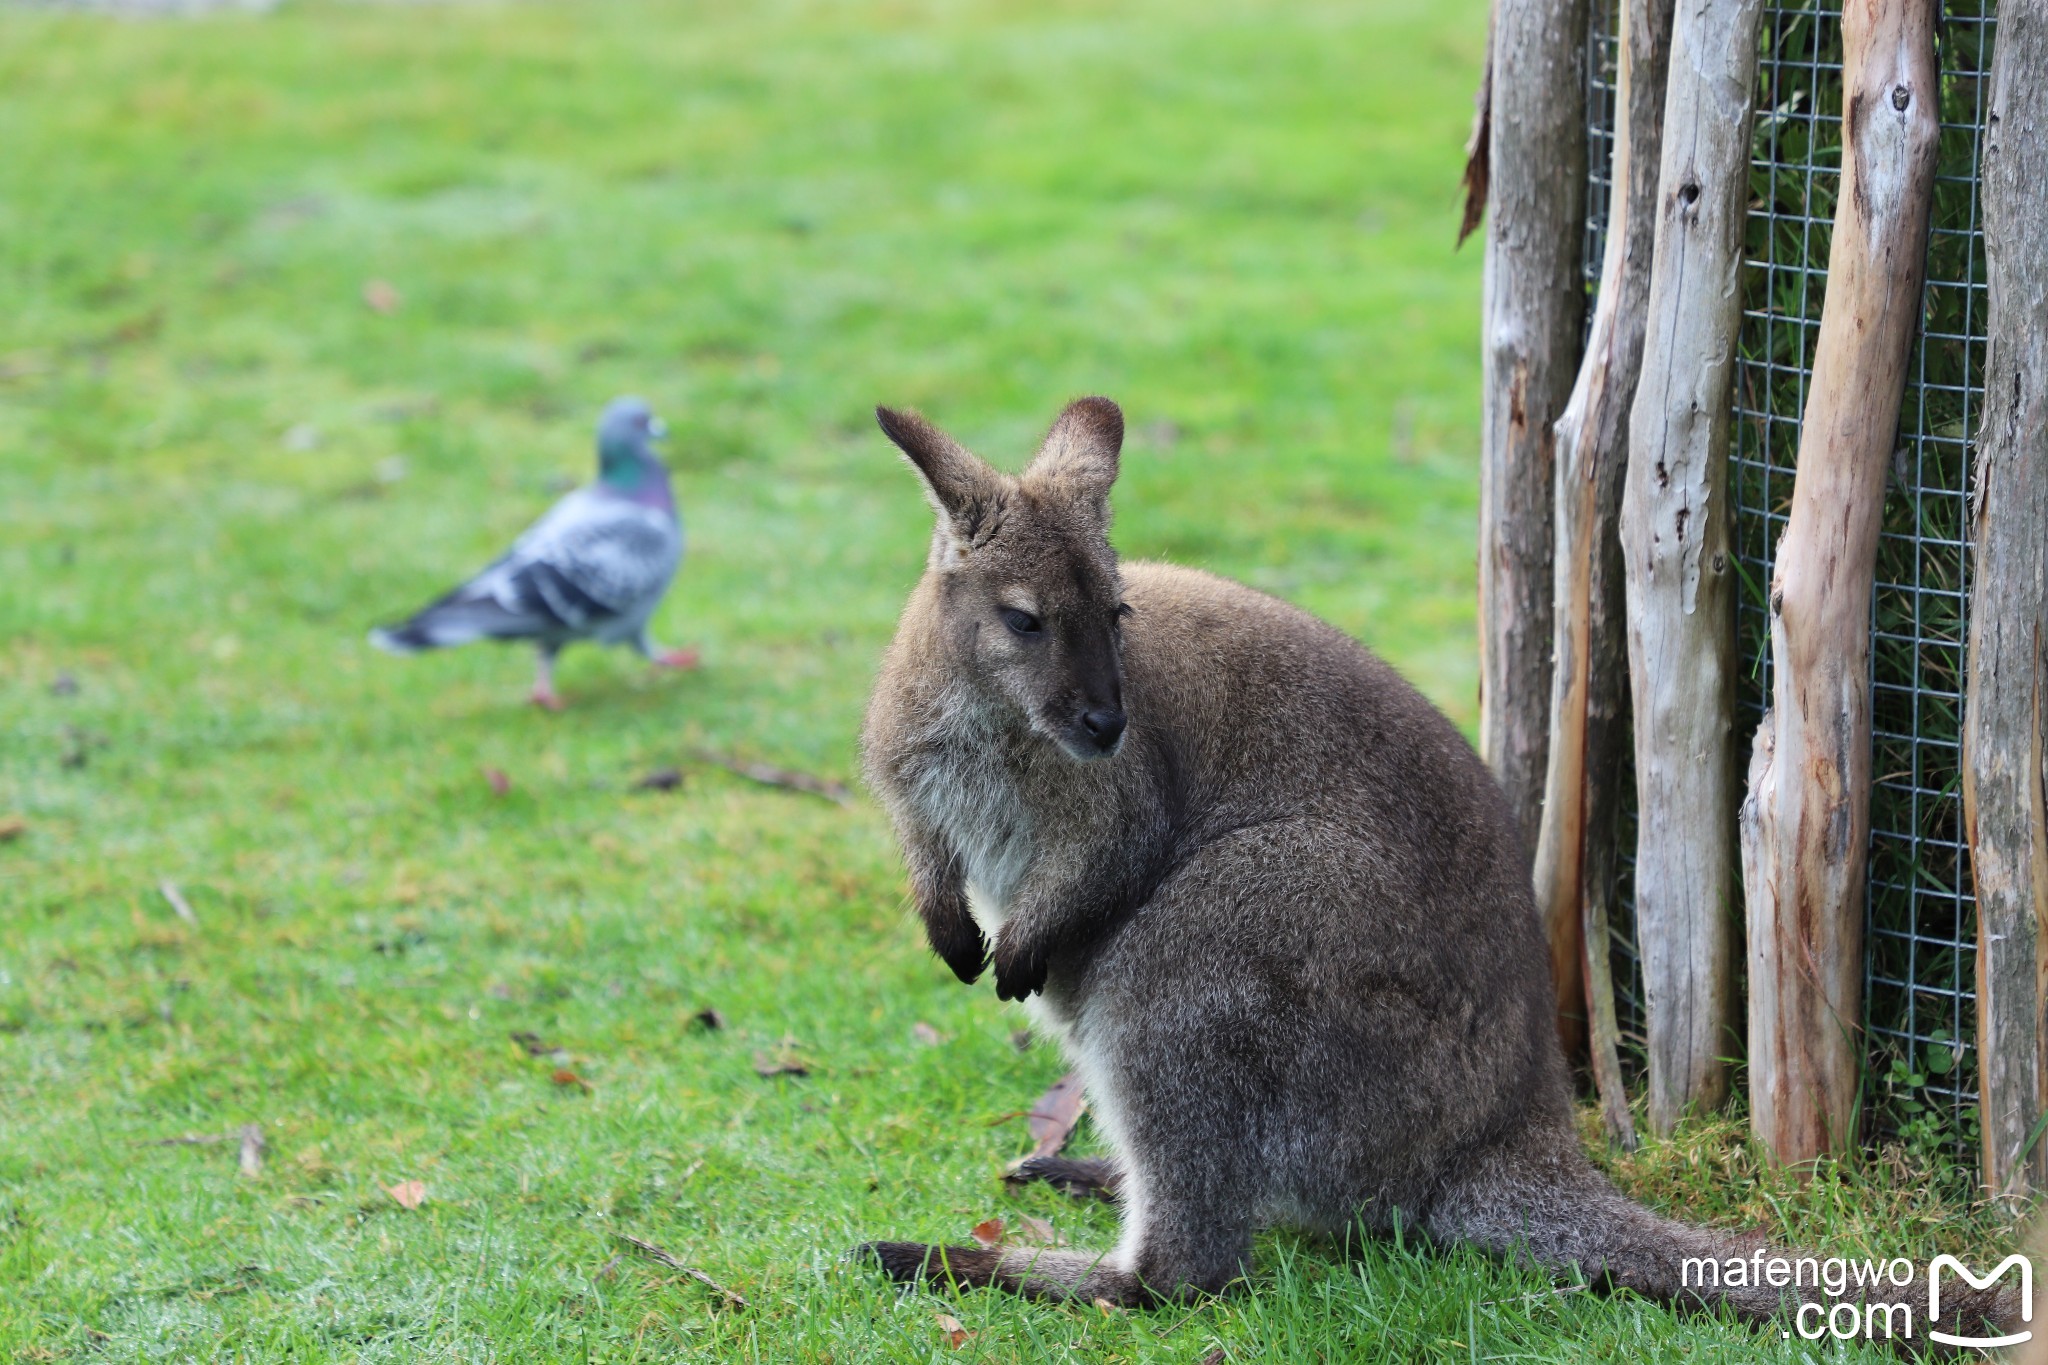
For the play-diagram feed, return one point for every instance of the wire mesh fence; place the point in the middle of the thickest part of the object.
(1920, 915)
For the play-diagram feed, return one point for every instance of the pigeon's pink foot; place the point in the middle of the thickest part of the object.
(677, 658)
(546, 698)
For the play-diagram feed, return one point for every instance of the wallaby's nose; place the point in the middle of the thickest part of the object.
(1104, 727)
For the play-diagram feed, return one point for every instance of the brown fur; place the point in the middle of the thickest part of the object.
(1281, 921)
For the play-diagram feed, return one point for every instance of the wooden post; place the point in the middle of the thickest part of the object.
(2004, 705)
(1674, 534)
(1580, 825)
(1806, 820)
(1534, 305)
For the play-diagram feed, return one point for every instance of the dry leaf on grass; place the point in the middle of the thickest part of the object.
(660, 780)
(410, 1194)
(381, 296)
(563, 1076)
(1106, 1308)
(765, 1065)
(1215, 1357)
(988, 1233)
(926, 1034)
(12, 827)
(499, 783)
(1031, 1228)
(950, 1328)
(181, 907)
(1053, 1118)
(251, 1156)
(768, 775)
(657, 1254)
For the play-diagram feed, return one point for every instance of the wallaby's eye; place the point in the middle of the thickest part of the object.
(1023, 622)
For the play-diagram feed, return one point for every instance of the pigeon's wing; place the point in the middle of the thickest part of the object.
(592, 561)
(607, 563)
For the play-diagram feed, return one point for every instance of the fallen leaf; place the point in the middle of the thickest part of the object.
(708, 1019)
(410, 1194)
(655, 1253)
(1215, 1357)
(1031, 1228)
(1053, 1118)
(381, 296)
(564, 1076)
(926, 1034)
(765, 1065)
(660, 780)
(787, 778)
(988, 1233)
(1021, 1040)
(179, 905)
(500, 784)
(1106, 1308)
(251, 1158)
(12, 827)
(950, 1328)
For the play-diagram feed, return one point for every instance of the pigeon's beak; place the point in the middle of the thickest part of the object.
(657, 428)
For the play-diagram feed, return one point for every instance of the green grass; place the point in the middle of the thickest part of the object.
(218, 467)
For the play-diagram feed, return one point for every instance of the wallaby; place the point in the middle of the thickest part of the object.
(1265, 896)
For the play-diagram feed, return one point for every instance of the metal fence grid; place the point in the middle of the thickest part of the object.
(1920, 915)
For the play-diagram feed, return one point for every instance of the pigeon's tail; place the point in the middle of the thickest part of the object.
(453, 621)
(405, 639)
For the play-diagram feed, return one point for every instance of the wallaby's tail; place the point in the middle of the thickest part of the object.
(1554, 1209)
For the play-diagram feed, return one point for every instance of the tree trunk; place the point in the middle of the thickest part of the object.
(2003, 707)
(1534, 305)
(1806, 821)
(1674, 534)
(1576, 858)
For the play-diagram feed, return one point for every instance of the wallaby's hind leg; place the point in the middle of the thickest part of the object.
(1174, 1252)
(1091, 1177)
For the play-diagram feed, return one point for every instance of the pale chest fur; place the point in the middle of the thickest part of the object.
(953, 778)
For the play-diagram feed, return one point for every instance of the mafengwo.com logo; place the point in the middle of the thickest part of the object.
(1867, 1299)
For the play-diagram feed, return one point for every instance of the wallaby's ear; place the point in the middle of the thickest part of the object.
(1079, 457)
(966, 493)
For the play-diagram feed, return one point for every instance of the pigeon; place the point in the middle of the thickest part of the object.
(594, 568)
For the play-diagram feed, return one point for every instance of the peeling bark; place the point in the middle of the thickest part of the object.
(2003, 712)
(1675, 536)
(1476, 145)
(1806, 820)
(1534, 305)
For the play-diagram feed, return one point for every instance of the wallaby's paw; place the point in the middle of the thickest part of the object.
(1020, 969)
(1082, 1178)
(920, 1262)
(959, 944)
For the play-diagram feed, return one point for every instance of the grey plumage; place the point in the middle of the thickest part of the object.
(593, 568)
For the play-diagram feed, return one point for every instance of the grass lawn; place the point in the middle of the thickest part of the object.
(219, 465)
